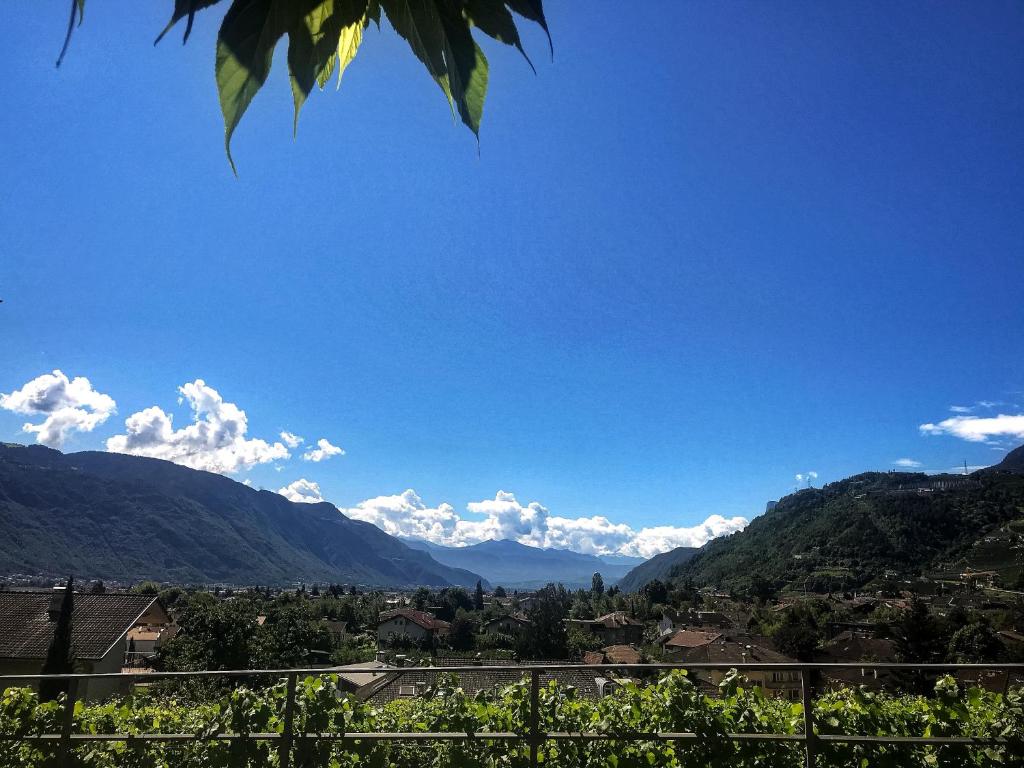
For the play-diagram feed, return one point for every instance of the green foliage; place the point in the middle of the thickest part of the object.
(673, 703)
(850, 533)
(547, 636)
(324, 37)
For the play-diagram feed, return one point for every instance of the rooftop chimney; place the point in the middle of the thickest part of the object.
(56, 600)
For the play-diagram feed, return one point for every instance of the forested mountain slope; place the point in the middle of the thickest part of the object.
(112, 516)
(852, 531)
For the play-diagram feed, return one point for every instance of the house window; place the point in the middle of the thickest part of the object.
(407, 691)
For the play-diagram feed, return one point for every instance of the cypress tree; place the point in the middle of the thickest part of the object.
(478, 597)
(60, 658)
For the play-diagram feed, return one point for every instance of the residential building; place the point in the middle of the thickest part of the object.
(711, 648)
(511, 625)
(678, 645)
(100, 625)
(618, 628)
(416, 627)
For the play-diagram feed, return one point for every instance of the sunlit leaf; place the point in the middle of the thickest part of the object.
(316, 37)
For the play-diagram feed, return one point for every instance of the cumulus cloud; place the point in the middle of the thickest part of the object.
(303, 491)
(68, 405)
(215, 441)
(323, 451)
(406, 514)
(808, 476)
(291, 440)
(979, 429)
(504, 517)
(907, 463)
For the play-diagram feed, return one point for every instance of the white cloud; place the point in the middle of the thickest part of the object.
(69, 405)
(961, 408)
(907, 463)
(504, 517)
(303, 491)
(979, 429)
(323, 451)
(215, 441)
(406, 514)
(291, 440)
(808, 476)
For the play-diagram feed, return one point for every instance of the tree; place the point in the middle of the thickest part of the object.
(655, 591)
(60, 656)
(597, 585)
(975, 643)
(478, 597)
(462, 634)
(98, 588)
(547, 638)
(499, 591)
(797, 637)
(324, 37)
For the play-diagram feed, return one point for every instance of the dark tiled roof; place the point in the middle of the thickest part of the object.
(847, 646)
(618, 619)
(424, 619)
(97, 623)
(400, 685)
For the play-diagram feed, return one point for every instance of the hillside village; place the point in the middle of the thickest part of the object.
(368, 637)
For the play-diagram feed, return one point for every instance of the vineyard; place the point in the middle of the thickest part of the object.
(616, 728)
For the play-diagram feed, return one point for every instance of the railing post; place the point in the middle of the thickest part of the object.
(534, 716)
(284, 749)
(810, 738)
(67, 723)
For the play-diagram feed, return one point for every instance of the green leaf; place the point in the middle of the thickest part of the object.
(533, 10)
(440, 37)
(183, 8)
(418, 23)
(467, 71)
(323, 37)
(495, 20)
(77, 11)
(245, 52)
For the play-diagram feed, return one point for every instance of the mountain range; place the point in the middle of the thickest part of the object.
(860, 529)
(518, 566)
(117, 517)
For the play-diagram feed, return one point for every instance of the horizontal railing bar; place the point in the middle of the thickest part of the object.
(979, 740)
(526, 668)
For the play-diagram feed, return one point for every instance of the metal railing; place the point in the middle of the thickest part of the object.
(534, 737)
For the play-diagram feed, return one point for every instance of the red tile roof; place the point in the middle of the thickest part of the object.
(97, 623)
(690, 638)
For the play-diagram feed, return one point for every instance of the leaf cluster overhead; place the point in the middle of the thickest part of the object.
(324, 37)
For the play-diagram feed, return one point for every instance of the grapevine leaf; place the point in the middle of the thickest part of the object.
(245, 52)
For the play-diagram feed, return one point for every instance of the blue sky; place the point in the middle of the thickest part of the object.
(709, 247)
